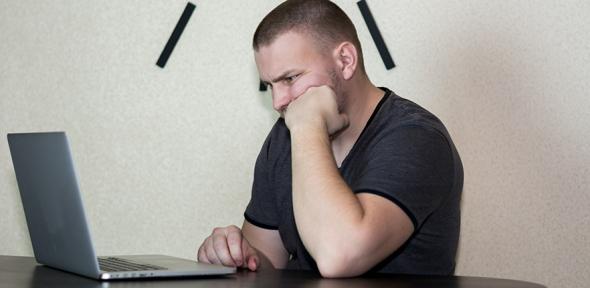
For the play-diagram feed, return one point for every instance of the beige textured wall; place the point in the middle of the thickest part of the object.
(164, 155)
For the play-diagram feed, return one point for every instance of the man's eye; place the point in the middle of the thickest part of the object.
(290, 79)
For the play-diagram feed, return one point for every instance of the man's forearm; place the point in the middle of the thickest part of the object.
(326, 211)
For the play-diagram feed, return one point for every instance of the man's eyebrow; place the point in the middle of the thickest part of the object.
(283, 76)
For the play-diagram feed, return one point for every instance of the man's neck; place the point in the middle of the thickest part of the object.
(359, 108)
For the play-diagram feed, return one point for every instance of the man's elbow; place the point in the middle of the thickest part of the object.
(340, 264)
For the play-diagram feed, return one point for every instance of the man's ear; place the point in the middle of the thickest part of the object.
(346, 57)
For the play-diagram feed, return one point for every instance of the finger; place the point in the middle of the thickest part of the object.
(201, 257)
(210, 252)
(222, 250)
(251, 259)
(253, 263)
(234, 240)
(344, 119)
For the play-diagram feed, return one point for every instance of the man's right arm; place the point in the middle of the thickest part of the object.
(251, 247)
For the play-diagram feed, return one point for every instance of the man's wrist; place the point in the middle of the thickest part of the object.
(309, 131)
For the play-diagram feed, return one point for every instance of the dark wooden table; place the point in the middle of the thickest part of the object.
(20, 272)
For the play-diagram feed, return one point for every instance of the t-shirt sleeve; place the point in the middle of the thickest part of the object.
(261, 210)
(411, 166)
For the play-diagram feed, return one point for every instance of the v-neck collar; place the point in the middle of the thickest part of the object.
(377, 108)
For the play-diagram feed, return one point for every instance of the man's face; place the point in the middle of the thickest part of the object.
(291, 64)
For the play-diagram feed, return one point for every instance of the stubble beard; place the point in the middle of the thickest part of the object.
(341, 96)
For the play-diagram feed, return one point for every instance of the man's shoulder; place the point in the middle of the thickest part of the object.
(401, 112)
(278, 140)
(279, 133)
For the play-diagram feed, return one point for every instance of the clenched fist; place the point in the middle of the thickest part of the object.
(317, 108)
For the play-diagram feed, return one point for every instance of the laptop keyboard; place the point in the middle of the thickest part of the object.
(114, 264)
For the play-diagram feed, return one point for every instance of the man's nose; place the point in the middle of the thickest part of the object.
(280, 100)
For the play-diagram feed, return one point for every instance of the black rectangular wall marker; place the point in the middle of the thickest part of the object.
(376, 35)
(186, 15)
(262, 86)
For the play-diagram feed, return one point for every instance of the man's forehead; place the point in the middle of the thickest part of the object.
(274, 59)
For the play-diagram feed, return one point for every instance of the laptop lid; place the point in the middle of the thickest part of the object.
(51, 200)
(57, 224)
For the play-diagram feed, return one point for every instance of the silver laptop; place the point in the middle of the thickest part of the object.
(57, 224)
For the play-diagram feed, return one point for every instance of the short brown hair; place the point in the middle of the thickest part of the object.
(323, 20)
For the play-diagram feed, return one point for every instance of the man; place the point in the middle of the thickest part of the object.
(352, 178)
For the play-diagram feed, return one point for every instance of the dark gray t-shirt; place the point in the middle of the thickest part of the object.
(405, 155)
